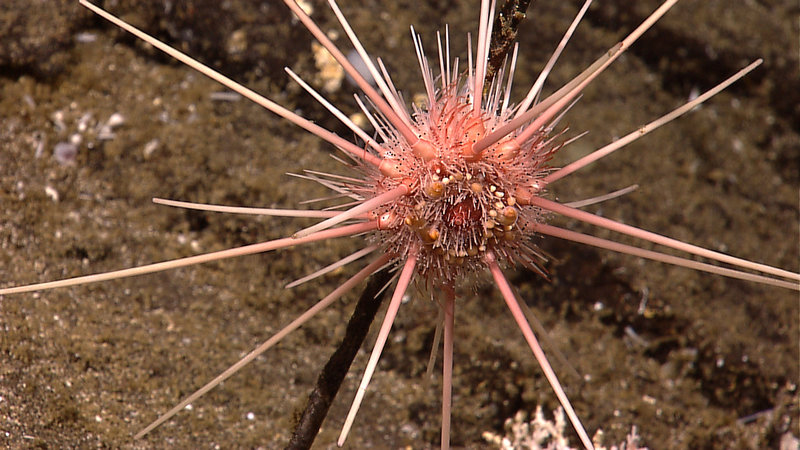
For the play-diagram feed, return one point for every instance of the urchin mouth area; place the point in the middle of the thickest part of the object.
(461, 204)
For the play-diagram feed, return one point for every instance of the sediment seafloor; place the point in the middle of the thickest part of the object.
(707, 362)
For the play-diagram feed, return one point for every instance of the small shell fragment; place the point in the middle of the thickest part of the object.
(52, 193)
(65, 153)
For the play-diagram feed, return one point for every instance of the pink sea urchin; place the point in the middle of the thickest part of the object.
(455, 207)
(455, 187)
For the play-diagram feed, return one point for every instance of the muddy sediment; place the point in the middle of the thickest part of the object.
(704, 362)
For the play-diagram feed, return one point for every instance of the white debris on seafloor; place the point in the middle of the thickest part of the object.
(29, 101)
(85, 37)
(225, 96)
(51, 192)
(66, 151)
(106, 130)
(38, 140)
(236, 43)
(58, 120)
(150, 147)
(306, 6)
(361, 121)
(330, 73)
(83, 122)
(542, 434)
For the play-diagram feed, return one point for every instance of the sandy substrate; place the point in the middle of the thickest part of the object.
(89, 366)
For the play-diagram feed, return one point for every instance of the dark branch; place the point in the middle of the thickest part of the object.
(332, 375)
(504, 34)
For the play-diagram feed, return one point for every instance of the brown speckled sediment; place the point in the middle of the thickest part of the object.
(90, 366)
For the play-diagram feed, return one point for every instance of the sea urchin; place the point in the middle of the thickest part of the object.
(455, 186)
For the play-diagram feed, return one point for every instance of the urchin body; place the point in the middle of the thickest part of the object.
(459, 205)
